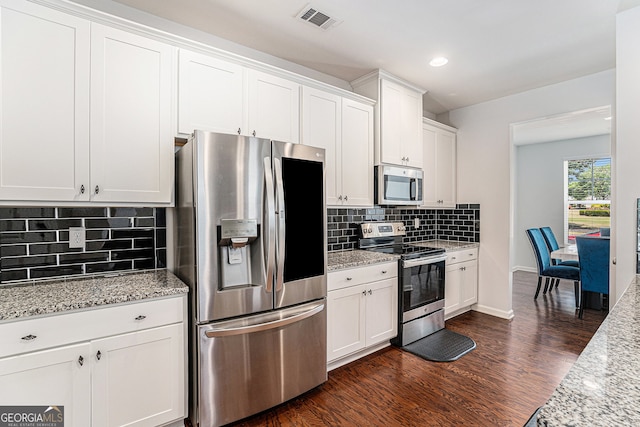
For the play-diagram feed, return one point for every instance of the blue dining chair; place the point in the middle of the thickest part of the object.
(593, 254)
(549, 271)
(552, 244)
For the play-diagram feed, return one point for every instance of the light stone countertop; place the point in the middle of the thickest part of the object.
(56, 296)
(341, 260)
(603, 386)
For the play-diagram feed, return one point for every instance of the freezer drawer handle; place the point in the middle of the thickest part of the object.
(264, 326)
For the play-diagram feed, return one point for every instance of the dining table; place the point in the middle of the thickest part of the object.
(566, 253)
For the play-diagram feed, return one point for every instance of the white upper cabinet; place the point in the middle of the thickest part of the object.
(439, 185)
(344, 128)
(85, 110)
(210, 94)
(273, 107)
(131, 132)
(398, 136)
(44, 103)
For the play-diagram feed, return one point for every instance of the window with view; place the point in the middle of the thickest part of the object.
(588, 197)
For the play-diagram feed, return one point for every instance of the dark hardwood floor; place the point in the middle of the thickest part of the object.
(514, 369)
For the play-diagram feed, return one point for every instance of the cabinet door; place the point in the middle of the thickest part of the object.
(469, 289)
(429, 184)
(345, 321)
(391, 144)
(139, 378)
(321, 127)
(411, 128)
(382, 310)
(56, 377)
(452, 289)
(44, 107)
(357, 153)
(210, 94)
(446, 168)
(131, 132)
(274, 107)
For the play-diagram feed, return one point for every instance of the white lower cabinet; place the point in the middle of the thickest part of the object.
(461, 287)
(55, 377)
(362, 311)
(136, 378)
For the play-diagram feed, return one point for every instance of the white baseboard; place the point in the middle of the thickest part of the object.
(493, 312)
(524, 268)
(355, 356)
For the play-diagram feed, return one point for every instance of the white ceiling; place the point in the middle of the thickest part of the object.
(577, 124)
(495, 47)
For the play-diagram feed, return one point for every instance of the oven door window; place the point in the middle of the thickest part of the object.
(422, 284)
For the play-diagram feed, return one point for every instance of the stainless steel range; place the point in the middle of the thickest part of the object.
(421, 279)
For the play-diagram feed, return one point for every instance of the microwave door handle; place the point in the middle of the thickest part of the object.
(281, 224)
(413, 193)
(269, 212)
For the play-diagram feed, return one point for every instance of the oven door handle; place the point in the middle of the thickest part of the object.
(422, 261)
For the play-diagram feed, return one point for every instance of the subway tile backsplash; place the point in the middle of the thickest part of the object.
(459, 224)
(34, 242)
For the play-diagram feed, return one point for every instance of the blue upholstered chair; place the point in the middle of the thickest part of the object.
(546, 269)
(552, 244)
(605, 232)
(594, 253)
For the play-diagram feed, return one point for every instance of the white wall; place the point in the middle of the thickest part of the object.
(627, 149)
(539, 192)
(484, 168)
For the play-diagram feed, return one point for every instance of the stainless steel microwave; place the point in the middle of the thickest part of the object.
(396, 185)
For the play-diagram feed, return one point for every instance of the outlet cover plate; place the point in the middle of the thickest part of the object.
(77, 237)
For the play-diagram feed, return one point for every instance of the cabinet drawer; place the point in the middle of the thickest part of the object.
(462, 255)
(356, 276)
(28, 335)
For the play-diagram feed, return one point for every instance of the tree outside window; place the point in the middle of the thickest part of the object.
(588, 197)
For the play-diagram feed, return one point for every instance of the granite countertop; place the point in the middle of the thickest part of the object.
(49, 297)
(603, 386)
(354, 258)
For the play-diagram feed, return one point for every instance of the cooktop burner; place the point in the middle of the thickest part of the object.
(386, 237)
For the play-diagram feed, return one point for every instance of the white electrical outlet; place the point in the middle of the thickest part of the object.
(77, 237)
(416, 222)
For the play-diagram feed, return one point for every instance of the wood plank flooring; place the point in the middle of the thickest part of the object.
(514, 369)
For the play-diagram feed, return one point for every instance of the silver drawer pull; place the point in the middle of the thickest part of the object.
(98, 355)
(370, 292)
(384, 271)
(349, 278)
(81, 360)
(141, 317)
(29, 337)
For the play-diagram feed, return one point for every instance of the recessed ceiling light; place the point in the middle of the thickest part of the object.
(438, 61)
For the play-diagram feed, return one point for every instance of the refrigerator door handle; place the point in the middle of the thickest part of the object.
(243, 330)
(271, 225)
(280, 243)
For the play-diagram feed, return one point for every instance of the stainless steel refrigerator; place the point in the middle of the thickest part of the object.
(250, 224)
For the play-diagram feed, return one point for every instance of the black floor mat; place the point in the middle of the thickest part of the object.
(441, 346)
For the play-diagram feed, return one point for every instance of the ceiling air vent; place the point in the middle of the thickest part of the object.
(317, 18)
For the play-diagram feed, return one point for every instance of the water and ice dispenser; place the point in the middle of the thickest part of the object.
(235, 237)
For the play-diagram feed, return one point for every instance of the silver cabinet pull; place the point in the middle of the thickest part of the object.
(238, 131)
(384, 271)
(141, 317)
(253, 133)
(346, 198)
(97, 189)
(340, 197)
(81, 360)
(82, 189)
(364, 292)
(98, 355)
(29, 337)
(349, 278)
(370, 292)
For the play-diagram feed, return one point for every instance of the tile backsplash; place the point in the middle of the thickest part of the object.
(459, 224)
(34, 242)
